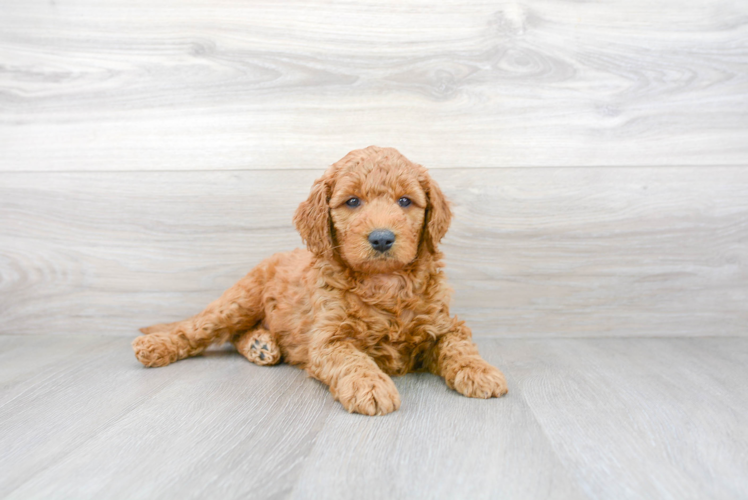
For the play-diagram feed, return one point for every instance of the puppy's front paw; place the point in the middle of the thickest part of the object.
(154, 350)
(480, 380)
(371, 394)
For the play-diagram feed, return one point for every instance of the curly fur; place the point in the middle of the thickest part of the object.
(348, 315)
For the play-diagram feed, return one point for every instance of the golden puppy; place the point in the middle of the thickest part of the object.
(366, 300)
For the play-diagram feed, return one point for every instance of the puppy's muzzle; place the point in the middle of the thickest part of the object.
(381, 239)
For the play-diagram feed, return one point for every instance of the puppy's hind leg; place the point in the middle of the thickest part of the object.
(239, 308)
(161, 327)
(259, 346)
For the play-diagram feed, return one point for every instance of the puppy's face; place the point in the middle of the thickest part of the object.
(373, 208)
(378, 210)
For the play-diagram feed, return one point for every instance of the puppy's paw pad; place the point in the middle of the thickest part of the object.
(262, 350)
(370, 396)
(480, 381)
(153, 351)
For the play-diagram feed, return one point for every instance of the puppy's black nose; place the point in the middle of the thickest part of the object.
(381, 239)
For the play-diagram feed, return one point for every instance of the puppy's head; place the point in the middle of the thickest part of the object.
(376, 209)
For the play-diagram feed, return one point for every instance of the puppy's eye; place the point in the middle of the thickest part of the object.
(353, 202)
(404, 202)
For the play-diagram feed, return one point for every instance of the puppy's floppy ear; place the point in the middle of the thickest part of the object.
(312, 218)
(438, 213)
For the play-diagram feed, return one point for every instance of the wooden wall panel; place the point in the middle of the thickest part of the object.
(202, 85)
(532, 252)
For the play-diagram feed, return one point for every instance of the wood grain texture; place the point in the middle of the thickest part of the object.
(584, 418)
(220, 428)
(545, 252)
(50, 414)
(438, 445)
(645, 418)
(22, 358)
(123, 85)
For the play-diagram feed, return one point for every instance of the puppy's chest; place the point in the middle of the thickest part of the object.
(397, 322)
(397, 343)
(393, 327)
(401, 329)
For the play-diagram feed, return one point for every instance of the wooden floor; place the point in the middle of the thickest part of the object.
(584, 418)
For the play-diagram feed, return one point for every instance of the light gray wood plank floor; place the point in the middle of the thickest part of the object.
(584, 418)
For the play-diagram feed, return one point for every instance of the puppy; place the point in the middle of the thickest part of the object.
(366, 300)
